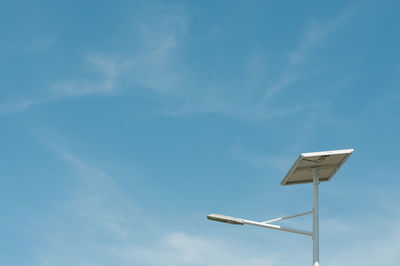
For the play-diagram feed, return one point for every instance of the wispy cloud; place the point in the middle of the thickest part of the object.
(100, 224)
(254, 99)
(97, 214)
(277, 160)
(39, 45)
(106, 71)
(317, 32)
(103, 81)
(156, 64)
(183, 249)
(260, 160)
(12, 107)
(380, 245)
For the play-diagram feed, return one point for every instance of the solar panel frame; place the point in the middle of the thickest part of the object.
(328, 163)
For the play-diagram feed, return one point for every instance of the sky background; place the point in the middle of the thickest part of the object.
(124, 123)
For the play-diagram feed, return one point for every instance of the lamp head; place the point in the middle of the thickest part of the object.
(225, 219)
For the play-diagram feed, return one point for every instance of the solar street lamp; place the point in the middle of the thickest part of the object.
(314, 167)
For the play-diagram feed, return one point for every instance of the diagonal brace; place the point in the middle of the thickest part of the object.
(287, 217)
(276, 227)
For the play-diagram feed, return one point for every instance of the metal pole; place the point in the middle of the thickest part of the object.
(315, 235)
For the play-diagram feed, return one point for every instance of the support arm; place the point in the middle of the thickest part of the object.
(287, 217)
(277, 227)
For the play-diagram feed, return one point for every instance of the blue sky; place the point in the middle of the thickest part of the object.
(124, 123)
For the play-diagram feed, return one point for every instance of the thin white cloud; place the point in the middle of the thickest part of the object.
(99, 224)
(155, 64)
(259, 160)
(316, 33)
(12, 107)
(179, 248)
(313, 36)
(251, 100)
(39, 45)
(281, 160)
(380, 248)
(106, 70)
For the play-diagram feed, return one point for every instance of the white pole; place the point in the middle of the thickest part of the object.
(315, 235)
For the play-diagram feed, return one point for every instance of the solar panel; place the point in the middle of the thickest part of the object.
(328, 163)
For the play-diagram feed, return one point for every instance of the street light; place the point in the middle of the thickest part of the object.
(314, 167)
